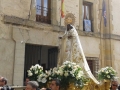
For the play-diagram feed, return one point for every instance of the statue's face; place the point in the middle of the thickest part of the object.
(69, 20)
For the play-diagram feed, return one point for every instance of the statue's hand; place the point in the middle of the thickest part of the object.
(69, 27)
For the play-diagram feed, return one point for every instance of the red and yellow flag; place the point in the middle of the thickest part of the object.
(62, 9)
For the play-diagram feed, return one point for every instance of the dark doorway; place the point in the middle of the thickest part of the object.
(45, 56)
(52, 56)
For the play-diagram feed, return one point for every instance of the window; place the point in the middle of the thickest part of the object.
(43, 11)
(87, 16)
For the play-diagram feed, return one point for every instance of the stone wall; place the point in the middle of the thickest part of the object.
(115, 16)
(90, 46)
(7, 59)
(116, 53)
(7, 48)
(19, 8)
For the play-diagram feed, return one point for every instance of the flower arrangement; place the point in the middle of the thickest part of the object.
(68, 73)
(35, 71)
(107, 73)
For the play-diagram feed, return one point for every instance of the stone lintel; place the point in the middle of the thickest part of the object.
(29, 23)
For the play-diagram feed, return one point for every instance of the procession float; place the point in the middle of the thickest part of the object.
(72, 69)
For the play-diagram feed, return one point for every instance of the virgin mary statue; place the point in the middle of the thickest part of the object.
(71, 50)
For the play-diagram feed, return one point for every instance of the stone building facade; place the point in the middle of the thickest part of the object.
(26, 22)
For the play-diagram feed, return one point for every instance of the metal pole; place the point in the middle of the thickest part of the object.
(101, 38)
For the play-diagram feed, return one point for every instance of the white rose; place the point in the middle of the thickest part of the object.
(71, 72)
(74, 67)
(36, 72)
(28, 71)
(110, 71)
(37, 65)
(102, 70)
(61, 73)
(49, 73)
(30, 74)
(77, 77)
(80, 74)
(66, 74)
(54, 69)
(39, 79)
(61, 68)
(46, 71)
(45, 76)
(107, 72)
(108, 76)
(41, 68)
(69, 65)
(50, 78)
(44, 80)
(31, 67)
(40, 76)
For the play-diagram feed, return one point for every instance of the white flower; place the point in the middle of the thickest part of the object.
(49, 72)
(54, 69)
(108, 76)
(44, 80)
(36, 72)
(71, 72)
(28, 71)
(107, 72)
(110, 71)
(56, 72)
(46, 71)
(31, 67)
(102, 70)
(39, 79)
(80, 74)
(61, 73)
(69, 65)
(36, 66)
(66, 74)
(50, 78)
(39, 67)
(30, 74)
(45, 76)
